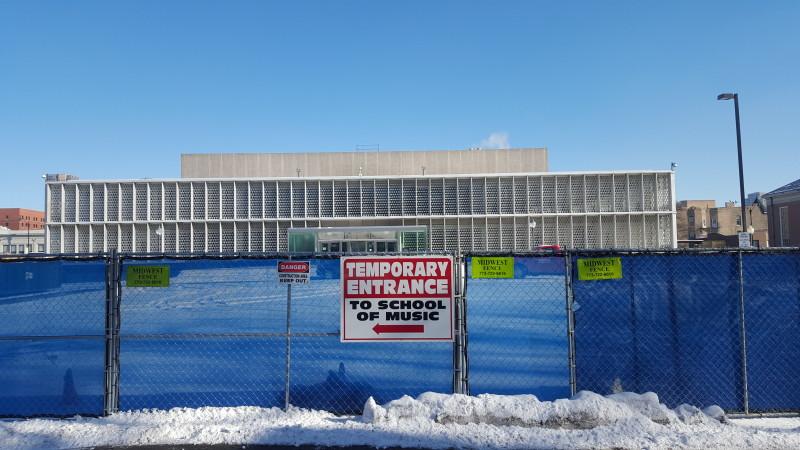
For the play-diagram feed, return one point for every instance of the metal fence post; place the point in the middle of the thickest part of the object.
(459, 347)
(116, 331)
(464, 327)
(288, 374)
(570, 298)
(457, 330)
(743, 337)
(634, 322)
(108, 340)
(675, 342)
(112, 345)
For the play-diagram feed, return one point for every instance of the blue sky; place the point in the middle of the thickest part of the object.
(121, 89)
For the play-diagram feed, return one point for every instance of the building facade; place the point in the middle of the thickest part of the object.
(459, 213)
(460, 201)
(372, 163)
(21, 219)
(702, 223)
(784, 215)
(693, 219)
(21, 242)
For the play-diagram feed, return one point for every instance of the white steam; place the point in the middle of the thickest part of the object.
(498, 139)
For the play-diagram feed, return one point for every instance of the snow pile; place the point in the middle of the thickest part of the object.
(584, 411)
(588, 420)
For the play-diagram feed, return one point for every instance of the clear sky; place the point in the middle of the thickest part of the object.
(121, 89)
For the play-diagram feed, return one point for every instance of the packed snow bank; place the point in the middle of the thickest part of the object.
(431, 420)
(584, 411)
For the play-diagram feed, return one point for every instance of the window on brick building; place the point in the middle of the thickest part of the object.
(783, 213)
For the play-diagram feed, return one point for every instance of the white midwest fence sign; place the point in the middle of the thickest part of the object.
(396, 298)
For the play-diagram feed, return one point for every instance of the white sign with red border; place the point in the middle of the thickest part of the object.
(396, 298)
(294, 272)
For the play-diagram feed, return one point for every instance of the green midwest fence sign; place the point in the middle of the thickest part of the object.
(147, 276)
(590, 269)
(492, 267)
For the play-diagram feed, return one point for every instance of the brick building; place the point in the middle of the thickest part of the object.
(21, 219)
(702, 223)
(784, 215)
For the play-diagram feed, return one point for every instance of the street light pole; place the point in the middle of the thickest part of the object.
(735, 98)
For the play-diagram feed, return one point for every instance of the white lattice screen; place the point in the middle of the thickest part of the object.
(462, 213)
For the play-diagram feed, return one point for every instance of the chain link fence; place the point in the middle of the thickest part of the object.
(52, 336)
(772, 309)
(517, 328)
(221, 335)
(700, 327)
(669, 324)
(213, 337)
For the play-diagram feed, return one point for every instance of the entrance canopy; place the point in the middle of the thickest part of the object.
(376, 239)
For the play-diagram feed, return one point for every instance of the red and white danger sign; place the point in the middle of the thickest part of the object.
(396, 298)
(294, 272)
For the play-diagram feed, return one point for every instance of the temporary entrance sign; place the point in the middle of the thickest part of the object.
(396, 298)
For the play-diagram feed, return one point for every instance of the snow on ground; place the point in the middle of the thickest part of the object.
(588, 420)
(770, 423)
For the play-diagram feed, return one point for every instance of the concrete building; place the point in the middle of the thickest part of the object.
(21, 242)
(459, 204)
(349, 164)
(784, 215)
(701, 223)
(21, 219)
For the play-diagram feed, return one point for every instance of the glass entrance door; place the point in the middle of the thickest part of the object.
(357, 246)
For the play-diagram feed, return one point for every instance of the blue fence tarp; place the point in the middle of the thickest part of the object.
(52, 324)
(183, 345)
(669, 325)
(772, 308)
(216, 335)
(518, 330)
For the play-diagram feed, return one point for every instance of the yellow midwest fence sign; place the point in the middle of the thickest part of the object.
(590, 269)
(147, 276)
(492, 267)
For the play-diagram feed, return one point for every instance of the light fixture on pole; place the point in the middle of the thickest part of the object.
(735, 98)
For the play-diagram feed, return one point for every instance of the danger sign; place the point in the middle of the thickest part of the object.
(397, 298)
(294, 272)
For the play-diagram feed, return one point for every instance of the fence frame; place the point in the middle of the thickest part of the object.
(738, 253)
(570, 256)
(45, 257)
(570, 303)
(113, 301)
(743, 336)
(460, 360)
